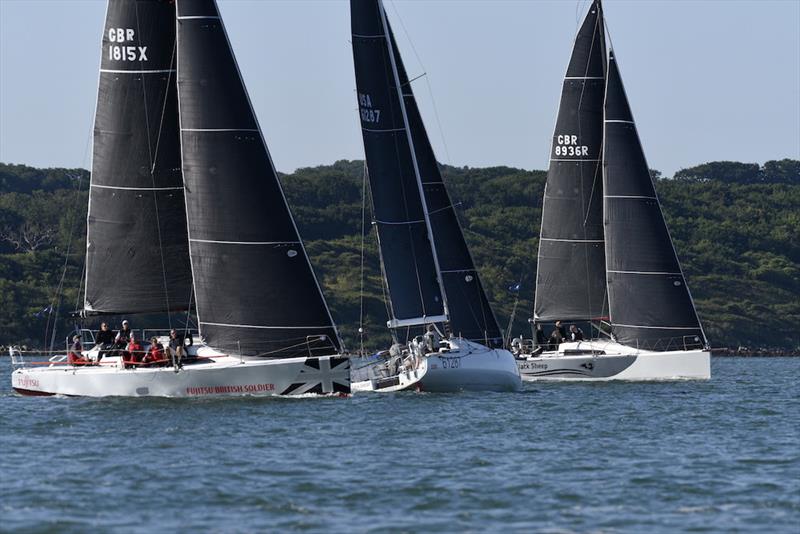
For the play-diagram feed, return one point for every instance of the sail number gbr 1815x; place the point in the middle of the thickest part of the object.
(368, 113)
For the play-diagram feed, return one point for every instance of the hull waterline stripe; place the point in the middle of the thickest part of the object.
(219, 129)
(178, 188)
(326, 327)
(245, 242)
(114, 71)
(572, 240)
(645, 272)
(630, 196)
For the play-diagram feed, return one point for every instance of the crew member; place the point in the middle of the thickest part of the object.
(134, 352)
(75, 355)
(155, 355)
(575, 333)
(432, 339)
(104, 340)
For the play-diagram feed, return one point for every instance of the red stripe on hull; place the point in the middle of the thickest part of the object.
(33, 393)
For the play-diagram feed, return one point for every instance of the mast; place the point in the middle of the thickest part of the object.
(649, 300)
(137, 256)
(401, 217)
(256, 292)
(570, 278)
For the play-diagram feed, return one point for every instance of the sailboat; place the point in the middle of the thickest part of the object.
(605, 254)
(186, 212)
(429, 275)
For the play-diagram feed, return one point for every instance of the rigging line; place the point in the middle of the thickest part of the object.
(153, 161)
(427, 84)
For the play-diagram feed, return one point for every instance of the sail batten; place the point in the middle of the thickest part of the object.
(570, 281)
(256, 291)
(136, 221)
(650, 305)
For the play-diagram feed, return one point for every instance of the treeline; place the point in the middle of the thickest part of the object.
(736, 228)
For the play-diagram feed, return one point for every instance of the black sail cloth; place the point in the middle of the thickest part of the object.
(137, 257)
(408, 262)
(650, 304)
(256, 292)
(470, 314)
(570, 282)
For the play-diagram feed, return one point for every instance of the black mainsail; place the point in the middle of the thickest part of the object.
(408, 259)
(650, 304)
(255, 289)
(136, 223)
(471, 316)
(570, 281)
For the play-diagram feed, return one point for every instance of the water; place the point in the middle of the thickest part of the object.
(715, 456)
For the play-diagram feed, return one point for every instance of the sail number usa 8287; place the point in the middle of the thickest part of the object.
(368, 113)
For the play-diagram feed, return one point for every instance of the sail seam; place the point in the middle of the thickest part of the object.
(620, 121)
(572, 240)
(262, 326)
(219, 129)
(195, 17)
(630, 196)
(369, 36)
(646, 272)
(583, 78)
(145, 71)
(244, 242)
(657, 327)
(400, 222)
(459, 271)
(386, 130)
(176, 188)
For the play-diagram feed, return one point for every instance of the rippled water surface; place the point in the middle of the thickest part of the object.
(722, 455)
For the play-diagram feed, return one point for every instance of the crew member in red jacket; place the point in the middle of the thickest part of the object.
(156, 353)
(75, 355)
(134, 352)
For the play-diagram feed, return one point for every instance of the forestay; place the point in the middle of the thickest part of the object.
(256, 292)
(137, 257)
(649, 300)
(570, 282)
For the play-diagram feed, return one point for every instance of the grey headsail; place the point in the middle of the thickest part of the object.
(470, 314)
(137, 257)
(405, 245)
(650, 304)
(570, 281)
(255, 289)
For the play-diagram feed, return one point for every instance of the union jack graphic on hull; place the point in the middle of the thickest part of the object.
(321, 376)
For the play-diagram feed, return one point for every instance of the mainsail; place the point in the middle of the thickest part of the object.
(570, 282)
(137, 257)
(255, 289)
(409, 262)
(650, 304)
(471, 315)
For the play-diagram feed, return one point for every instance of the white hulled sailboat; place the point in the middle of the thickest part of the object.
(186, 211)
(605, 254)
(429, 275)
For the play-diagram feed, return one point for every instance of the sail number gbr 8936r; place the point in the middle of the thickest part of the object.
(567, 145)
(368, 113)
(124, 52)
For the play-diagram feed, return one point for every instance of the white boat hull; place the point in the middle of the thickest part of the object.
(212, 376)
(617, 362)
(467, 366)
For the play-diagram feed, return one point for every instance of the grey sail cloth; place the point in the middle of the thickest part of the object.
(570, 281)
(137, 256)
(409, 267)
(256, 293)
(470, 314)
(650, 304)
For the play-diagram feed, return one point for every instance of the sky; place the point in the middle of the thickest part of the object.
(707, 79)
